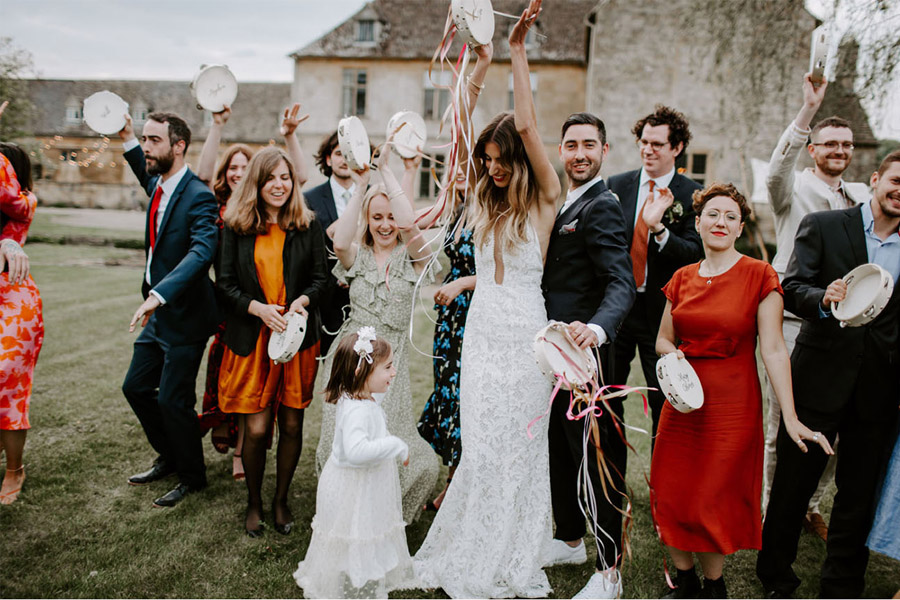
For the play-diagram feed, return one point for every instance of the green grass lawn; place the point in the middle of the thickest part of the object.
(78, 530)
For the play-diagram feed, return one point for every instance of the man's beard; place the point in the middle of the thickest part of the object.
(886, 206)
(823, 166)
(161, 164)
(592, 171)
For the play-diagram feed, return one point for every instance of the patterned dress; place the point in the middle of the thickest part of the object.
(21, 311)
(386, 305)
(439, 423)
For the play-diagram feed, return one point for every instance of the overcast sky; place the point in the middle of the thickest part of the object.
(170, 39)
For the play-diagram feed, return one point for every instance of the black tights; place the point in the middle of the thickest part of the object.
(290, 443)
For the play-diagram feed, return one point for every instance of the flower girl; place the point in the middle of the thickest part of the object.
(358, 546)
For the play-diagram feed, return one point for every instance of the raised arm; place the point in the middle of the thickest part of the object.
(206, 168)
(347, 226)
(525, 117)
(473, 86)
(404, 216)
(289, 123)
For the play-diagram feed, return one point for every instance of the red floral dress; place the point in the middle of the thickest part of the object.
(21, 319)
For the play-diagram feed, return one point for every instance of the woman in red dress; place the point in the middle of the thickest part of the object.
(706, 472)
(21, 317)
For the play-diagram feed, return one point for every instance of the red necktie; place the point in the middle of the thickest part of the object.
(154, 208)
(639, 243)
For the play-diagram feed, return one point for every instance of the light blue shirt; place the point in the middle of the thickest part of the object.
(884, 253)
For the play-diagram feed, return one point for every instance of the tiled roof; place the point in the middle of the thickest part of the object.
(412, 29)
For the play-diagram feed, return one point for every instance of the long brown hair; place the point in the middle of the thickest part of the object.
(348, 372)
(511, 203)
(246, 211)
(221, 188)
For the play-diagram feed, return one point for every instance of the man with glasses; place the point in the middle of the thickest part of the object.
(661, 237)
(793, 195)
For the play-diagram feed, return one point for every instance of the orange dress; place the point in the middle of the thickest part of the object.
(248, 384)
(706, 472)
(21, 310)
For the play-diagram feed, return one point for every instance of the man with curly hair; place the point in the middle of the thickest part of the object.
(661, 237)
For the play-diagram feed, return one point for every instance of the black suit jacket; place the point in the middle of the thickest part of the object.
(587, 276)
(683, 247)
(185, 248)
(321, 201)
(305, 272)
(827, 358)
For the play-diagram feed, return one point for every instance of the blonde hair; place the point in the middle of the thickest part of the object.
(365, 237)
(246, 211)
(512, 203)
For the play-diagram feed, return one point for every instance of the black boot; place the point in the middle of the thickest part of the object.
(687, 585)
(714, 588)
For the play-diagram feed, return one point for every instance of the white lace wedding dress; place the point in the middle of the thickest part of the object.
(487, 539)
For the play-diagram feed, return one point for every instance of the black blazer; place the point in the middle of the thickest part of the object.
(305, 272)
(683, 247)
(827, 358)
(185, 248)
(321, 201)
(587, 276)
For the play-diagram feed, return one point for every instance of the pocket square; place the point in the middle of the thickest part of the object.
(568, 228)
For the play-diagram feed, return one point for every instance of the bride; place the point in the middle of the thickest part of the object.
(487, 539)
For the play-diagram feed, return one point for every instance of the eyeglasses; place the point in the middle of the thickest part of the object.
(833, 145)
(656, 146)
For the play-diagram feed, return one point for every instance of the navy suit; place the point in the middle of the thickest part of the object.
(334, 298)
(160, 384)
(682, 248)
(588, 278)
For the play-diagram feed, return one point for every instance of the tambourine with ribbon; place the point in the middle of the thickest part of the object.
(354, 143)
(679, 383)
(818, 55)
(214, 87)
(869, 288)
(474, 19)
(409, 131)
(104, 112)
(284, 345)
(559, 357)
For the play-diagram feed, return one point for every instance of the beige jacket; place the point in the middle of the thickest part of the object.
(795, 194)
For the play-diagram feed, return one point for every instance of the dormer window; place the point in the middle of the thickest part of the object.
(73, 115)
(365, 31)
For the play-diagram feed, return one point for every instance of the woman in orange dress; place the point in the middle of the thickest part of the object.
(21, 318)
(706, 471)
(272, 263)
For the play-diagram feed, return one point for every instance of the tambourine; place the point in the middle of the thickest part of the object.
(474, 19)
(679, 383)
(869, 289)
(818, 55)
(411, 134)
(104, 112)
(283, 346)
(214, 87)
(354, 143)
(558, 355)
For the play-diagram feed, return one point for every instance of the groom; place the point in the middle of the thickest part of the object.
(588, 284)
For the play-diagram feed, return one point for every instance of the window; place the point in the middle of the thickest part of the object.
(510, 103)
(437, 99)
(428, 187)
(140, 114)
(365, 31)
(354, 96)
(693, 165)
(73, 115)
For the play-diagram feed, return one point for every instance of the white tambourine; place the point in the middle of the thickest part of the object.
(679, 383)
(214, 87)
(104, 112)
(411, 133)
(283, 346)
(354, 143)
(869, 289)
(557, 354)
(818, 55)
(474, 19)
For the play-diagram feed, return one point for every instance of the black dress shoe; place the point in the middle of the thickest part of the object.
(176, 495)
(160, 469)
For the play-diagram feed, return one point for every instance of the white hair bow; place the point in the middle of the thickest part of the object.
(363, 346)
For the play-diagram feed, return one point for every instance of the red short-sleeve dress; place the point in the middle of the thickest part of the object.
(706, 472)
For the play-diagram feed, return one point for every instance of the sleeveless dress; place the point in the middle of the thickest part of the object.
(706, 469)
(439, 423)
(487, 539)
(386, 306)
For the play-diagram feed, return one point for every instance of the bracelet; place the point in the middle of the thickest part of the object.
(478, 87)
(660, 232)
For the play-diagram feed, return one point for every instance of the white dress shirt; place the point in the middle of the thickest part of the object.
(341, 195)
(643, 192)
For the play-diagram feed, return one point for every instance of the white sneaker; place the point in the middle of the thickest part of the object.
(602, 585)
(560, 553)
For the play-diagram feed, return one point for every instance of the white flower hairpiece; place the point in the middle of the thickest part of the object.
(363, 345)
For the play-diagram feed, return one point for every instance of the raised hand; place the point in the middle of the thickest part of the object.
(291, 119)
(127, 131)
(484, 52)
(813, 95)
(361, 177)
(221, 117)
(520, 29)
(656, 206)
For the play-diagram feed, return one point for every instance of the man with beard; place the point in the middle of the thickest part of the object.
(846, 383)
(588, 284)
(328, 201)
(661, 236)
(792, 196)
(179, 311)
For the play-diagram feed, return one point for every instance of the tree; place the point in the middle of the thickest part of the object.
(15, 64)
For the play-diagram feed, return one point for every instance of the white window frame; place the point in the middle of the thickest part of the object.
(510, 104)
(440, 96)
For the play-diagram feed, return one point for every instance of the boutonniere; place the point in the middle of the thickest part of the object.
(674, 212)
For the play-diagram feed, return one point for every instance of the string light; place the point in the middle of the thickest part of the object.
(70, 157)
